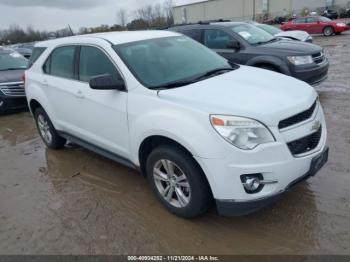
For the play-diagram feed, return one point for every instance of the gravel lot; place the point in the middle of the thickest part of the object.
(75, 202)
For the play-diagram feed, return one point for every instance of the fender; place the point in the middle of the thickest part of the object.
(274, 61)
(37, 93)
(166, 123)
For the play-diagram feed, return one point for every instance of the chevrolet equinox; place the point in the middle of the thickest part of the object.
(201, 129)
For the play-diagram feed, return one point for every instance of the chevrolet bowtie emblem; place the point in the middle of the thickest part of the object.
(316, 126)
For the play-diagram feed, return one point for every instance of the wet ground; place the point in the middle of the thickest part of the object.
(75, 202)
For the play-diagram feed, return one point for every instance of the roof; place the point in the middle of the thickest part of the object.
(201, 24)
(114, 37)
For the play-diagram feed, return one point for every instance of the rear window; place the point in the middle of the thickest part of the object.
(37, 51)
(11, 60)
(195, 34)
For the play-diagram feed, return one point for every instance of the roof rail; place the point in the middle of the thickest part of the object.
(214, 21)
(206, 22)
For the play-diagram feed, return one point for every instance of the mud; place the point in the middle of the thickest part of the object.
(75, 202)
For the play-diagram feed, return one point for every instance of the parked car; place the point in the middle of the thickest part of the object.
(198, 127)
(330, 14)
(293, 35)
(25, 49)
(246, 44)
(12, 95)
(316, 25)
(345, 13)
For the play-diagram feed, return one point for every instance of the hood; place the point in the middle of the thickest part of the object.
(249, 92)
(11, 76)
(287, 47)
(300, 35)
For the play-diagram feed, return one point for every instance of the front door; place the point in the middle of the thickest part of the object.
(218, 41)
(103, 113)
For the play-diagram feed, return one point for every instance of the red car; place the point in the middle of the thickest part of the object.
(316, 25)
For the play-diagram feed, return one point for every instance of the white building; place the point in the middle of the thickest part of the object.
(246, 9)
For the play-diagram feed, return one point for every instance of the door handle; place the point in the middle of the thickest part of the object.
(79, 95)
(45, 83)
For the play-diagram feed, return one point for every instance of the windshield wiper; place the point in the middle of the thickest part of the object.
(176, 84)
(214, 72)
(172, 85)
(271, 40)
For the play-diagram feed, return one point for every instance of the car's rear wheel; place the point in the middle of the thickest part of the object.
(178, 181)
(47, 131)
(328, 31)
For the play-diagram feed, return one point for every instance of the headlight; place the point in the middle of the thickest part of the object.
(341, 24)
(300, 60)
(243, 133)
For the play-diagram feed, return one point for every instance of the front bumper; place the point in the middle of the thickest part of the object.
(274, 161)
(9, 104)
(312, 75)
(241, 208)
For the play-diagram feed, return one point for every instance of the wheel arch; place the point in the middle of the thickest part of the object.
(154, 141)
(274, 62)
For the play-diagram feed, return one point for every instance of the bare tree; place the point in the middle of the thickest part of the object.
(168, 10)
(122, 17)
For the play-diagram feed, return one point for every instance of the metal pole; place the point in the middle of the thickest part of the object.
(253, 10)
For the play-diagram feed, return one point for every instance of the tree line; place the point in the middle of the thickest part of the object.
(155, 16)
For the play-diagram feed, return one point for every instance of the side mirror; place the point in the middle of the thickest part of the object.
(106, 82)
(234, 44)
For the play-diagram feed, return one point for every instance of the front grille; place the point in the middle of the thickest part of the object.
(305, 144)
(318, 58)
(13, 89)
(296, 119)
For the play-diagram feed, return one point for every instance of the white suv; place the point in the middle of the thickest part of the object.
(199, 128)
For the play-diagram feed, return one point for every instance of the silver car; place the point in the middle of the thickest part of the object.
(293, 34)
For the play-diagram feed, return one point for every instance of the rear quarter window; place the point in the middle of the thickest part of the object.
(37, 52)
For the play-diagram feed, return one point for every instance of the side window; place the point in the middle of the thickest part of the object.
(299, 21)
(195, 34)
(311, 20)
(61, 62)
(216, 39)
(37, 51)
(94, 62)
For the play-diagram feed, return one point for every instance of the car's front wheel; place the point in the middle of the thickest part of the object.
(178, 181)
(328, 31)
(47, 131)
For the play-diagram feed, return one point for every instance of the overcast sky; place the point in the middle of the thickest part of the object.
(57, 14)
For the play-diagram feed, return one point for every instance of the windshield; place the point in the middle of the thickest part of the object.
(12, 61)
(252, 34)
(325, 19)
(270, 29)
(158, 62)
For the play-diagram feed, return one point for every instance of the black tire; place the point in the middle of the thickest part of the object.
(269, 67)
(3, 110)
(328, 31)
(56, 141)
(201, 197)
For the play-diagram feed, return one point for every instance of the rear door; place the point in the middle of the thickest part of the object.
(300, 24)
(61, 88)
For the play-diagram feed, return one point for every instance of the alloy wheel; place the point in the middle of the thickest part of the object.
(44, 129)
(172, 183)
